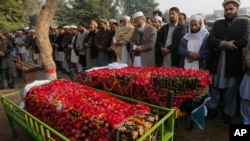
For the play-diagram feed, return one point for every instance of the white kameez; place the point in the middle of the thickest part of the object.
(137, 61)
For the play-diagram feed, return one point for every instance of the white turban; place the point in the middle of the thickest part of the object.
(158, 18)
(138, 14)
(126, 17)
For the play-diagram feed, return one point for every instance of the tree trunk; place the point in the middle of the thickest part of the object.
(42, 38)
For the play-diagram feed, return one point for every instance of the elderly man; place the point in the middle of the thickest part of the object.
(6, 63)
(143, 41)
(103, 42)
(227, 39)
(121, 39)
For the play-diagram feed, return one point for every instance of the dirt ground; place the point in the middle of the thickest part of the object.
(215, 129)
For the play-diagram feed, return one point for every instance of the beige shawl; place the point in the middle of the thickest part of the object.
(122, 35)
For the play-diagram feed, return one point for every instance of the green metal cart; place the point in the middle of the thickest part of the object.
(40, 131)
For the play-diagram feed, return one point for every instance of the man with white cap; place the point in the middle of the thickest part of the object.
(157, 22)
(227, 39)
(143, 41)
(121, 39)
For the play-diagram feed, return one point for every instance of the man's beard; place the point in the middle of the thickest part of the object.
(230, 16)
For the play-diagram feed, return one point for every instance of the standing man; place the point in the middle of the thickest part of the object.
(91, 48)
(143, 41)
(80, 48)
(6, 63)
(103, 42)
(226, 41)
(121, 40)
(169, 38)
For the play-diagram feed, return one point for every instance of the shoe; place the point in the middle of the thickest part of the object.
(227, 119)
(1, 88)
(212, 113)
(11, 86)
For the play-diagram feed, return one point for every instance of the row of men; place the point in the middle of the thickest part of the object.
(172, 45)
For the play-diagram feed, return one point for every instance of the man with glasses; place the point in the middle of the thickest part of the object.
(227, 38)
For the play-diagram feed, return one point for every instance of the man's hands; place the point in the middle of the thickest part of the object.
(139, 49)
(2, 53)
(230, 45)
(164, 51)
(193, 56)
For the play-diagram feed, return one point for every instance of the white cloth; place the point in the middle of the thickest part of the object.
(74, 58)
(192, 47)
(29, 86)
(195, 41)
(60, 56)
(137, 61)
(244, 87)
(114, 65)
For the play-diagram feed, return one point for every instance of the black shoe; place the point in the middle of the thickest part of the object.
(11, 86)
(212, 113)
(227, 119)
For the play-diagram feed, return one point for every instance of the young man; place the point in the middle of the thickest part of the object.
(169, 39)
(227, 39)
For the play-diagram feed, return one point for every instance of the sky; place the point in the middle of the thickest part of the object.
(191, 7)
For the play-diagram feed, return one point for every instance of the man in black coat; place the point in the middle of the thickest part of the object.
(168, 40)
(227, 39)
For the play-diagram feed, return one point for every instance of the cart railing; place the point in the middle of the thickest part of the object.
(35, 127)
(40, 131)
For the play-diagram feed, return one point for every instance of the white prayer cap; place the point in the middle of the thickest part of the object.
(126, 17)
(227, 1)
(112, 21)
(158, 18)
(73, 26)
(66, 27)
(32, 30)
(138, 14)
(26, 28)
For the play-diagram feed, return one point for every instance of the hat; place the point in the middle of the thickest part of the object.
(227, 1)
(103, 21)
(158, 18)
(66, 27)
(32, 30)
(26, 28)
(138, 14)
(73, 26)
(112, 21)
(126, 17)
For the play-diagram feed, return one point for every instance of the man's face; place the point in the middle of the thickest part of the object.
(182, 19)
(230, 10)
(156, 23)
(139, 21)
(91, 28)
(195, 26)
(1, 33)
(80, 28)
(173, 16)
(103, 25)
(124, 22)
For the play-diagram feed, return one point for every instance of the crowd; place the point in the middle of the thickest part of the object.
(142, 41)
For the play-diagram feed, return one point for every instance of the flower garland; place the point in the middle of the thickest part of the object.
(79, 112)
